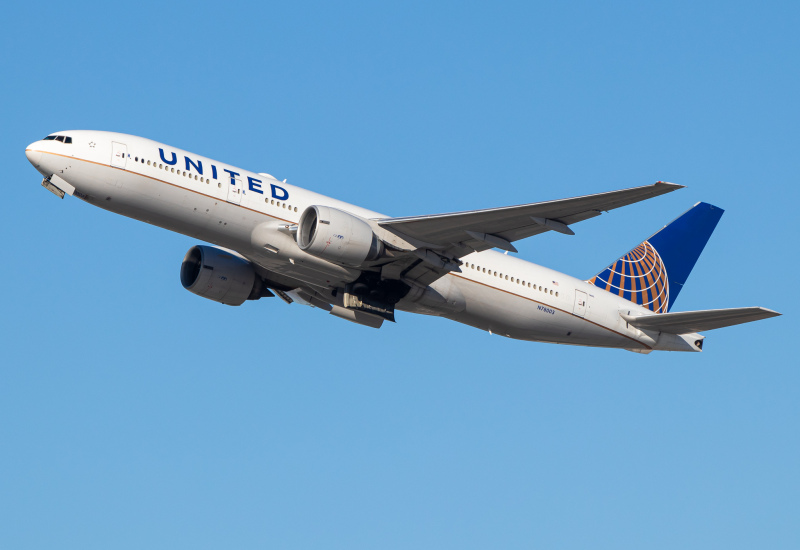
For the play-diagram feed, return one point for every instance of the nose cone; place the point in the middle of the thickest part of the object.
(33, 154)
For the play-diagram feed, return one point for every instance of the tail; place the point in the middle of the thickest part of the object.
(653, 273)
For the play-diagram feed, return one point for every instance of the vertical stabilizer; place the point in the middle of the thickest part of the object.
(653, 273)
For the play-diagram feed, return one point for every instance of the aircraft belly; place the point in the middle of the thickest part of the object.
(504, 313)
(521, 318)
(167, 206)
(206, 218)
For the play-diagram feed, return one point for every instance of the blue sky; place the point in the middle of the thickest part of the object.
(134, 414)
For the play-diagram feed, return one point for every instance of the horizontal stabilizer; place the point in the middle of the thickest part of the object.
(699, 321)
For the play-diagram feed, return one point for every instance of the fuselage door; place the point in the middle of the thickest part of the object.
(119, 154)
(235, 191)
(580, 303)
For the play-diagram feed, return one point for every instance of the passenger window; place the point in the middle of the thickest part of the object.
(136, 159)
(295, 209)
(172, 170)
(556, 294)
(148, 163)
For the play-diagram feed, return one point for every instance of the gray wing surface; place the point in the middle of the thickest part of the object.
(512, 223)
(440, 239)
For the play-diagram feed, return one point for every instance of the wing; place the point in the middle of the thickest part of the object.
(436, 242)
(512, 223)
(697, 321)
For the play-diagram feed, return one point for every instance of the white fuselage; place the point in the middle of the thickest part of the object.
(245, 211)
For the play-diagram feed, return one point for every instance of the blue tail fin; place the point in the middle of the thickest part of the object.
(653, 273)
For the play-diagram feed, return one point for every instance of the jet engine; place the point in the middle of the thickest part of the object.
(337, 236)
(221, 276)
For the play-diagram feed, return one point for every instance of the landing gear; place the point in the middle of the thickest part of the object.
(371, 294)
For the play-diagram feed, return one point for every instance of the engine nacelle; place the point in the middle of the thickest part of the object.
(337, 236)
(218, 275)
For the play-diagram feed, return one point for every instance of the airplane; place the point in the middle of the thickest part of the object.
(274, 239)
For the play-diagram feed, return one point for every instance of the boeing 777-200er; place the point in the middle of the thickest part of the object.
(273, 238)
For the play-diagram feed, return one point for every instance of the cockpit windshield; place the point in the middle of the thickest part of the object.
(62, 139)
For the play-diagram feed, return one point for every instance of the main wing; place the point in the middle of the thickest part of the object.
(440, 239)
(512, 223)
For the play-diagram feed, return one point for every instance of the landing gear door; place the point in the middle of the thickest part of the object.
(119, 154)
(580, 303)
(235, 191)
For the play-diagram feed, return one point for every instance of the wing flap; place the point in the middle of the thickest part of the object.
(685, 322)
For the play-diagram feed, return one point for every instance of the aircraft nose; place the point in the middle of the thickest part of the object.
(34, 156)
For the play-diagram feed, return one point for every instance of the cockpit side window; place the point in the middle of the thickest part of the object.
(60, 138)
(67, 139)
